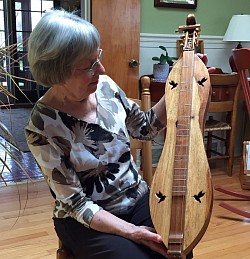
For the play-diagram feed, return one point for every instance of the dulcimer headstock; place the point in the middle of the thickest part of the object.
(191, 33)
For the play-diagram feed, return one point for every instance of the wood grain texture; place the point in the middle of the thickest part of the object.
(119, 25)
(26, 222)
(32, 236)
(183, 171)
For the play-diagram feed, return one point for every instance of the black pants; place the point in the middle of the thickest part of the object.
(87, 243)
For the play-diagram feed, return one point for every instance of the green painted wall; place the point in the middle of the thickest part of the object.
(213, 15)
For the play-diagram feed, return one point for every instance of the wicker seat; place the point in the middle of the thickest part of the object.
(214, 125)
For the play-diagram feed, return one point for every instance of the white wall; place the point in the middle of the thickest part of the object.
(217, 50)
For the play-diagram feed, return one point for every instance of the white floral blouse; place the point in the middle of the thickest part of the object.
(88, 166)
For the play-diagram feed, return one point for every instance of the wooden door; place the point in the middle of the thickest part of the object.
(118, 22)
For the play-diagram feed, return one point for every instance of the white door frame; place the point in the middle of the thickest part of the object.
(85, 10)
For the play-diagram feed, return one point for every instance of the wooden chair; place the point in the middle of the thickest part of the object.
(145, 151)
(242, 62)
(224, 99)
(146, 146)
(245, 184)
(63, 252)
(241, 195)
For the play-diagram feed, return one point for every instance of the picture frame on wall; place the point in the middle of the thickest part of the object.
(186, 4)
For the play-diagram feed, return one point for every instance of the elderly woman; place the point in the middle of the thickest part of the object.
(79, 134)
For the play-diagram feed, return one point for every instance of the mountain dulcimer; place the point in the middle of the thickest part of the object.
(181, 193)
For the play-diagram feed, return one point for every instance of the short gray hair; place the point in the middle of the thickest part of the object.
(57, 43)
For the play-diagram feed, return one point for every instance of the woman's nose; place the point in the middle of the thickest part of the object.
(100, 68)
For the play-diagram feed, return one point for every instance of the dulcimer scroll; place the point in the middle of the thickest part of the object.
(181, 193)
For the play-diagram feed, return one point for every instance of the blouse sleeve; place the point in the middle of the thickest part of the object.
(51, 155)
(141, 125)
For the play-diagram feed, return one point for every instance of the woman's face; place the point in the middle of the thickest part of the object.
(84, 80)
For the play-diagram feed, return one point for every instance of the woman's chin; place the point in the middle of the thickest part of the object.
(92, 87)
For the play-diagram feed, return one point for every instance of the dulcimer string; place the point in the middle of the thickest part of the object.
(183, 130)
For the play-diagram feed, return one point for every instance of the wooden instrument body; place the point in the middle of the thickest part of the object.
(183, 175)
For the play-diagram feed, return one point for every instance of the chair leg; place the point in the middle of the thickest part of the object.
(60, 254)
(228, 134)
(231, 155)
(209, 143)
(63, 253)
(232, 141)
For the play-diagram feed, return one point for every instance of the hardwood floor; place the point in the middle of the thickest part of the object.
(27, 231)
(227, 236)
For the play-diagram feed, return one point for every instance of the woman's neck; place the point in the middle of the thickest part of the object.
(84, 109)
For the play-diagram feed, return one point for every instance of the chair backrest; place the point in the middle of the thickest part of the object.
(225, 90)
(242, 62)
(144, 147)
(224, 99)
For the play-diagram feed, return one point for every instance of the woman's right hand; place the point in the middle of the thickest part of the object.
(106, 222)
(147, 236)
